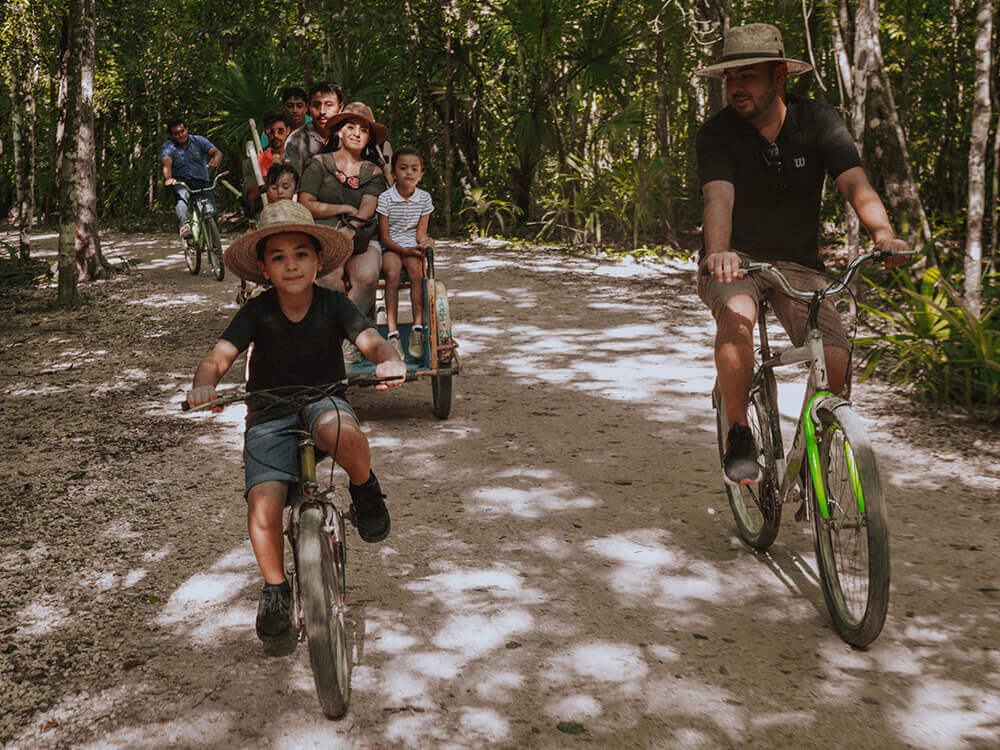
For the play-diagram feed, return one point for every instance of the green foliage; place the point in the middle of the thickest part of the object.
(486, 210)
(929, 340)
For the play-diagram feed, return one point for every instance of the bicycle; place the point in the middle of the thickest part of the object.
(204, 229)
(314, 527)
(831, 460)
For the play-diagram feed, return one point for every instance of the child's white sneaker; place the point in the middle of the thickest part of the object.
(396, 346)
(417, 342)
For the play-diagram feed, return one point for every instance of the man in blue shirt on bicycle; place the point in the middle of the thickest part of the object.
(183, 158)
(761, 163)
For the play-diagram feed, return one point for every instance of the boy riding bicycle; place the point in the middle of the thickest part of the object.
(296, 328)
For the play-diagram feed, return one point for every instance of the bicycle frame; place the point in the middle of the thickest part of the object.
(817, 394)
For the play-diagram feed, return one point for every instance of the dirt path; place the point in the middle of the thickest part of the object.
(562, 557)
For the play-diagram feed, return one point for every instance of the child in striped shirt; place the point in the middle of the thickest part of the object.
(403, 214)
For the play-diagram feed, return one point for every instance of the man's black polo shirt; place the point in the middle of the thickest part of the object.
(776, 209)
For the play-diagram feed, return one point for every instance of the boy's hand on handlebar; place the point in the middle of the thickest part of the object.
(724, 266)
(202, 395)
(170, 181)
(900, 250)
(390, 368)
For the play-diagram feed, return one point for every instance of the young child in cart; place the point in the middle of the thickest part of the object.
(404, 211)
(297, 329)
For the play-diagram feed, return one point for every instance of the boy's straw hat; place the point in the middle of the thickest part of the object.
(751, 44)
(360, 111)
(279, 217)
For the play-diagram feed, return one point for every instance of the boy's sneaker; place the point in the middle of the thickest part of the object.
(416, 345)
(351, 353)
(740, 465)
(396, 346)
(368, 511)
(273, 612)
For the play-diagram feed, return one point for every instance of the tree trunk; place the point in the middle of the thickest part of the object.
(449, 176)
(981, 112)
(22, 120)
(89, 259)
(69, 120)
(663, 138)
(865, 29)
(303, 17)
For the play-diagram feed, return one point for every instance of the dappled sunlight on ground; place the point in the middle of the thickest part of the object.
(562, 558)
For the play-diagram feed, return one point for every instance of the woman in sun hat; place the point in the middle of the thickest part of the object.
(341, 188)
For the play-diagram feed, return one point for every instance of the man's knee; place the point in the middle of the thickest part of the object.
(735, 322)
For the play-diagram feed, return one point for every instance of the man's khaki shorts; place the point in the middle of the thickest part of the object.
(791, 313)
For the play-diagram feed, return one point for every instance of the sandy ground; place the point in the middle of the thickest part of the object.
(563, 567)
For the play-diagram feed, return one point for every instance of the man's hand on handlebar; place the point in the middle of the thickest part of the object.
(390, 368)
(900, 250)
(169, 181)
(202, 395)
(724, 266)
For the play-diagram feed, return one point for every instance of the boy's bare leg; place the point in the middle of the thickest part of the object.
(415, 270)
(363, 270)
(265, 502)
(351, 451)
(392, 264)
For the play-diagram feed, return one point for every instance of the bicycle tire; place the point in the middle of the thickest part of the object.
(852, 546)
(213, 248)
(192, 255)
(441, 392)
(755, 507)
(323, 612)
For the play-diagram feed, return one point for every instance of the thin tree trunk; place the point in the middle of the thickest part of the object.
(307, 73)
(994, 214)
(449, 176)
(663, 137)
(840, 53)
(69, 120)
(22, 119)
(90, 261)
(865, 29)
(981, 112)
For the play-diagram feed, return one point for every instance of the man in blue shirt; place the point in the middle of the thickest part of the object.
(183, 158)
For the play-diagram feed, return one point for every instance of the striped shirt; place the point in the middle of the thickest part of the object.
(404, 214)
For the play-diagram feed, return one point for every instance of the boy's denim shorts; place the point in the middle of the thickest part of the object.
(270, 451)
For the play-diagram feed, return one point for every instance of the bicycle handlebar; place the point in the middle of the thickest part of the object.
(751, 267)
(215, 182)
(241, 394)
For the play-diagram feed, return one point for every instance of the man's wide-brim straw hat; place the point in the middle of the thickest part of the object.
(286, 216)
(752, 44)
(363, 113)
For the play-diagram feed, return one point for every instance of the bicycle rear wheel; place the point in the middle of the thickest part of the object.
(852, 539)
(321, 586)
(755, 506)
(213, 248)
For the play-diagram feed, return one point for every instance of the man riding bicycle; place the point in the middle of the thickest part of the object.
(183, 158)
(761, 165)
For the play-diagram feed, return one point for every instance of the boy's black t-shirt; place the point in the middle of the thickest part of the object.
(290, 354)
(776, 209)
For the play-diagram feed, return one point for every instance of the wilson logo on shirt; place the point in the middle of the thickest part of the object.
(799, 161)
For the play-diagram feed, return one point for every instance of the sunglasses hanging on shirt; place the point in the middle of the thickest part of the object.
(774, 160)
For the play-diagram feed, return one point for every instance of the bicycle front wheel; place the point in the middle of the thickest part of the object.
(851, 537)
(213, 248)
(323, 608)
(192, 254)
(755, 506)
